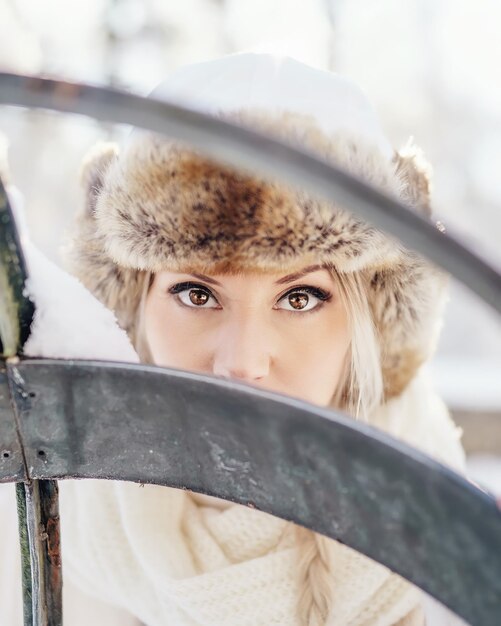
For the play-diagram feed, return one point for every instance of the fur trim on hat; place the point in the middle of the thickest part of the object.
(162, 206)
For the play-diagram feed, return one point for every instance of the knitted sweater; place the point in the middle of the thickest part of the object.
(175, 559)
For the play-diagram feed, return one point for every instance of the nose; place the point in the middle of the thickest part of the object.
(243, 351)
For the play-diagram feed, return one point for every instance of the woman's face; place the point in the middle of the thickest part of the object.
(285, 333)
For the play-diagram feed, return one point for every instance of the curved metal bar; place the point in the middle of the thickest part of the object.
(243, 148)
(283, 456)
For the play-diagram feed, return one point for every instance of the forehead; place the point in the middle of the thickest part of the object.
(284, 276)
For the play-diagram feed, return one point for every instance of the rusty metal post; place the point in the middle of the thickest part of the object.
(37, 501)
(42, 524)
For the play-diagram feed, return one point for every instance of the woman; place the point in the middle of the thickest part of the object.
(221, 272)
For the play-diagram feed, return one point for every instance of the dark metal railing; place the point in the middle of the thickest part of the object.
(246, 149)
(315, 467)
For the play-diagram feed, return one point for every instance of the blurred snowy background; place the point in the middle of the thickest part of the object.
(430, 67)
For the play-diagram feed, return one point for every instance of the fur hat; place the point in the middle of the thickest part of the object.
(159, 204)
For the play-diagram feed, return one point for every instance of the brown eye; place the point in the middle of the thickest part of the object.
(194, 296)
(198, 297)
(298, 301)
(302, 299)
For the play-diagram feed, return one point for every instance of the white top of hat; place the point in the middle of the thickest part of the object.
(275, 83)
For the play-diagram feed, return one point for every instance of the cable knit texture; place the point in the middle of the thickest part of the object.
(175, 559)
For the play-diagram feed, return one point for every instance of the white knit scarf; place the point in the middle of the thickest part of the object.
(173, 559)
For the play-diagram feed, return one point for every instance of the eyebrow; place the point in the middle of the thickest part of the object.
(290, 277)
(281, 281)
(207, 279)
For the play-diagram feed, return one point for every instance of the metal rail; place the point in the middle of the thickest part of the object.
(287, 457)
(270, 158)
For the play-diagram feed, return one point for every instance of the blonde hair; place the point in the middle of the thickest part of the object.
(358, 393)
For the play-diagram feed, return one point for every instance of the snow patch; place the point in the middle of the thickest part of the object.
(69, 322)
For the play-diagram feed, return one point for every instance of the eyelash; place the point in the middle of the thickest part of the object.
(321, 294)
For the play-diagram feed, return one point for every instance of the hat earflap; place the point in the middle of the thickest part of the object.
(93, 171)
(118, 288)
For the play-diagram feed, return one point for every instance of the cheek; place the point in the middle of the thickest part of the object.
(315, 359)
(175, 338)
